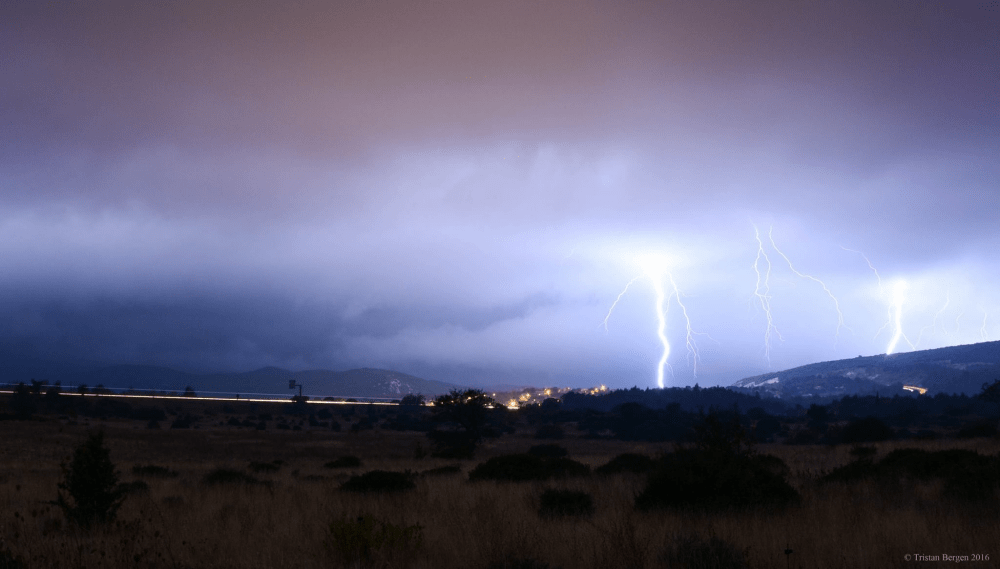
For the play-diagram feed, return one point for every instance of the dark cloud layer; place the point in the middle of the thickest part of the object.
(463, 188)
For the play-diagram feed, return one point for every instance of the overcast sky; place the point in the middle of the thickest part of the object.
(461, 190)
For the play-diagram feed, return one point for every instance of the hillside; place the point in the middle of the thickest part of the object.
(954, 369)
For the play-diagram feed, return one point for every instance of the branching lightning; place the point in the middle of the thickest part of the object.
(836, 303)
(655, 269)
(762, 292)
(898, 298)
(870, 266)
(984, 335)
(933, 325)
(615, 303)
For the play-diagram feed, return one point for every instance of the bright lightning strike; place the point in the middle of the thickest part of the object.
(655, 269)
(836, 303)
(984, 335)
(762, 292)
(898, 298)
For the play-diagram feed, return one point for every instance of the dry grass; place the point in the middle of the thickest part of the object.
(181, 523)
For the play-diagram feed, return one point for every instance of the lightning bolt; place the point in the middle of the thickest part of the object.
(615, 303)
(983, 334)
(870, 266)
(933, 325)
(654, 269)
(958, 325)
(762, 292)
(898, 297)
(836, 303)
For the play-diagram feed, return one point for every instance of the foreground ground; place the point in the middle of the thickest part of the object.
(183, 522)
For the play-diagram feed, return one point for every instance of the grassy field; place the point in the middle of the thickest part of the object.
(181, 522)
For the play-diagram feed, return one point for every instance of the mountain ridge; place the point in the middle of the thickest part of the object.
(952, 369)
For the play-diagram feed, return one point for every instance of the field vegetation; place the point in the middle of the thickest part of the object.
(220, 492)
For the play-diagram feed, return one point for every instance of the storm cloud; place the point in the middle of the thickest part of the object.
(461, 190)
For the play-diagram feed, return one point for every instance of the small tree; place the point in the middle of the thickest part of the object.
(93, 494)
(467, 413)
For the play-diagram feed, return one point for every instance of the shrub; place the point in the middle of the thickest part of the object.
(549, 432)
(228, 476)
(93, 494)
(697, 553)
(264, 467)
(524, 467)
(442, 470)
(344, 462)
(380, 481)
(134, 487)
(867, 430)
(966, 474)
(977, 430)
(627, 462)
(561, 503)
(153, 471)
(713, 480)
(548, 451)
(367, 542)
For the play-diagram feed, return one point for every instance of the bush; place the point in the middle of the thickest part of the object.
(442, 470)
(154, 471)
(134, 487)
(867, 430)
(978, 430)
(966, 474)
(367, 542)
(712, 480)
(548, 451)
(627, 462)
(694, 552)
(380, 481)
(524, 467)
(344, 462)
(93, 494)
(228, 476)
(561, 503)
(549, 432)
(264, 467)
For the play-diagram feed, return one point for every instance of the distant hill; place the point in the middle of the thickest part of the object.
(364, 382)
(955, 369)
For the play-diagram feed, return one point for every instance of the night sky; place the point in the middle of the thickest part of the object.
(461, 190)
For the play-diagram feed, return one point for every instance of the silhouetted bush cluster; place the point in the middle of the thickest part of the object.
(524, 467)
(722, 471)
(627, 462)
(380, 481)
(561, 503)
(443, 470)
(966, 474)
(265, 467)
(866, 430)
(344, 462)
(548, 451)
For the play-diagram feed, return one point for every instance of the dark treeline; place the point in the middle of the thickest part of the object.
(631, 414)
